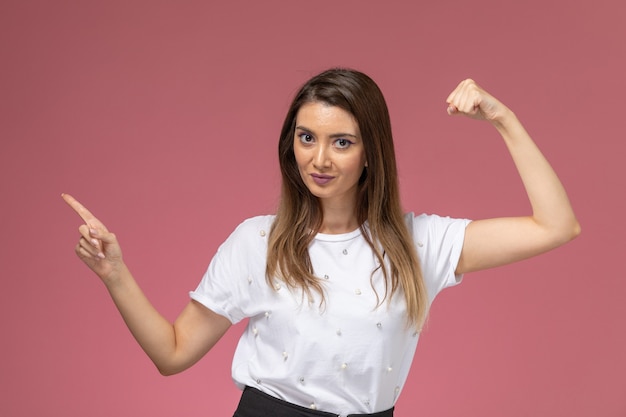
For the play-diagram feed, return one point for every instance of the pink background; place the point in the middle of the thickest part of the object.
(163, 118)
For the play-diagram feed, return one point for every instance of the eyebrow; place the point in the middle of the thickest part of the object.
(333, 136)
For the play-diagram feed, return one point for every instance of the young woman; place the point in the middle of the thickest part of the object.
(336, 285)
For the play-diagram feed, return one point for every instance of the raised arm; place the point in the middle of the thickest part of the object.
(494, 242)
(172, 347)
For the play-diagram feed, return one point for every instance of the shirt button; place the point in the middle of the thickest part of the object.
(262, 233)
(345, 251)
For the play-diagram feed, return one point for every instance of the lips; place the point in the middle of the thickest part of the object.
(321, 179)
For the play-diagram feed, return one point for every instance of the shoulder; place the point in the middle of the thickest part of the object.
(425, 220)
(257, 224)
(250, 232)
(428, 226)
(439, 242)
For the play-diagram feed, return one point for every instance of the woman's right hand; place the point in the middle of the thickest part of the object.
(172, 347)
(97, 247)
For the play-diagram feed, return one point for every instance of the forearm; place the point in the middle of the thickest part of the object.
(153, 332)
(551, 208)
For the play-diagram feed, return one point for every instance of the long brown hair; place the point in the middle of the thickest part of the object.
(299, 215)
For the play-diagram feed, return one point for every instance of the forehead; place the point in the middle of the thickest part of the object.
(323, 116)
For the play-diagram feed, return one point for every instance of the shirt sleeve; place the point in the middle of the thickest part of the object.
(439, 242)
(239, 262)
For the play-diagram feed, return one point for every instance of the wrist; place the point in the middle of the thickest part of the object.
(116, 277)
(505, 121)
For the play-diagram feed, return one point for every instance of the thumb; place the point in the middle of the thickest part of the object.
(105, 241)
(452, 110)
(102, 234)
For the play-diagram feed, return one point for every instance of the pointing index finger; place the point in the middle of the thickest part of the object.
(82, 211)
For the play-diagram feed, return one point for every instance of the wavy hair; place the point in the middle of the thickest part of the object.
(299, 215)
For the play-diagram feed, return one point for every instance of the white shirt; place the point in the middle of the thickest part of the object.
(346, 356)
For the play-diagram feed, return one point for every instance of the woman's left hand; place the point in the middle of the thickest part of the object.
(469, 99)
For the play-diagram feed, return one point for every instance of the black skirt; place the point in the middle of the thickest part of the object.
(255, 403)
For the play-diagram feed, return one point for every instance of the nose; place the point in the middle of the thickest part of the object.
(321, 157)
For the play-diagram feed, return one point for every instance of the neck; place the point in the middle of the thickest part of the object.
(338, 220)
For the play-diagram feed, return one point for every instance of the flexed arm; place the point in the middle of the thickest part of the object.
(493, 242)
(172, 347)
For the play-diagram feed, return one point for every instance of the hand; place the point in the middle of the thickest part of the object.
(97, 247)
(472, 101)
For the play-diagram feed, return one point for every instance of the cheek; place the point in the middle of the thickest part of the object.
(299, 157)
(352, 170)
(302, 163)
(357, 164)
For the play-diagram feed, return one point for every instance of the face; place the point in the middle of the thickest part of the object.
(329, 152)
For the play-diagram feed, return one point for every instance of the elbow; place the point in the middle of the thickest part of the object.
(165, 372)
(558, 234)
(168, 370)
(568, 233)
(574, 230)
(577, 230)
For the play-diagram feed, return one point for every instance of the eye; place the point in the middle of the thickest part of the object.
(342, 143)
(305, 138)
